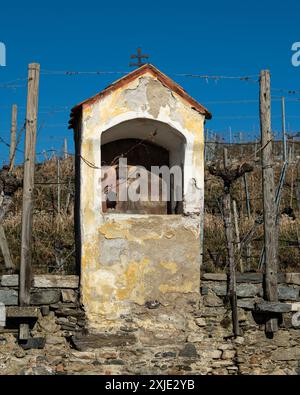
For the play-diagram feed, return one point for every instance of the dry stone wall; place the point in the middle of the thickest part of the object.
(198, 340)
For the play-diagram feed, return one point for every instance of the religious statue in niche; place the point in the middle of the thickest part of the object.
(139, 157)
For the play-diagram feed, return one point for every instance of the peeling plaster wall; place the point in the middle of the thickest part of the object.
(127, 261)
(147, 98)
(142, 260)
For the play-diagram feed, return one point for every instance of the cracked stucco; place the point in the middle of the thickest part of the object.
(128, 260)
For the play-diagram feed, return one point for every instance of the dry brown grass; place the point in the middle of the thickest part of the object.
(215, 249)
(53, 235)
(289, 228)
(52, 232)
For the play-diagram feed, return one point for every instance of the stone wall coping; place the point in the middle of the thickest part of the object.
(288, 278)
(72, 281)
(43, 281)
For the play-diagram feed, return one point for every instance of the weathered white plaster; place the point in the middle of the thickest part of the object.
(155, 257)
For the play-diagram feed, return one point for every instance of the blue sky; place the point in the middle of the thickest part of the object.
(226, 38)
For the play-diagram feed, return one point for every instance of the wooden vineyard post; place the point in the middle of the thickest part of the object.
(248, 247)
(13, 137)
(65, 148)
(270, 266)
(5, 250)
(229, 174)
(241, 144)
(58, 187)
(206, 146)
(28, 187)
(3, 242)
(230, 251)
(237, 234)
(229, 245)
(247, 195)
(284, 145)
(297, 186)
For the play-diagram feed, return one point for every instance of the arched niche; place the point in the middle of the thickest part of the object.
(147, 143)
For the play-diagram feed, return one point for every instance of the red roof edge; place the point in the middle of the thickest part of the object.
(165, 80)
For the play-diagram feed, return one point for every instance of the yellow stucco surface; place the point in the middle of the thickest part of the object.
(130, 261)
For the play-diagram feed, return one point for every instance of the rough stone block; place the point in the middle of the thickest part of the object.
(43, 281)
(292, 278)
(296, 320)
(295, 306)
(65, 312)
(204, 290)
(189, 351)
(9, 297)
(239, 340)
(222, 363)
(288, 293)
(219, 288)
(34, 342)
(56, 281)
(228, 354)
(226, 346)
(2, 315)
(214, 354)
(195, 337)
(200, 321)
(249, 278)
(245, 303)
(45, 296)
(214, 276)
(286, 354)
(168, 354)
(247, 290)
(274, 307)
(45, 310)
(68, 295)
(83, 342)
(50, 339)
(10, 280)
(282, 339)
(212, 300)
(19, 312)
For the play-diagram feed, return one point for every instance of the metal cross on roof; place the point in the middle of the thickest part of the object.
(139, 56)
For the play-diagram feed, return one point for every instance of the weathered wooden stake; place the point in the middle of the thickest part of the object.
(255, 150)
(284, 146)
(206, 146)
(291, 151)
(237, 234)
(247, 195)
(28, 184)
(24, 331)
(248, 246)
(65, 148)
(58, 185)
(230, 251)
(270, 272)
(9, 265)
(230, 174)
(5, 250)
(241, 143)
(68, 197)
(13, 137)
(297, 186)
(292, 188)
